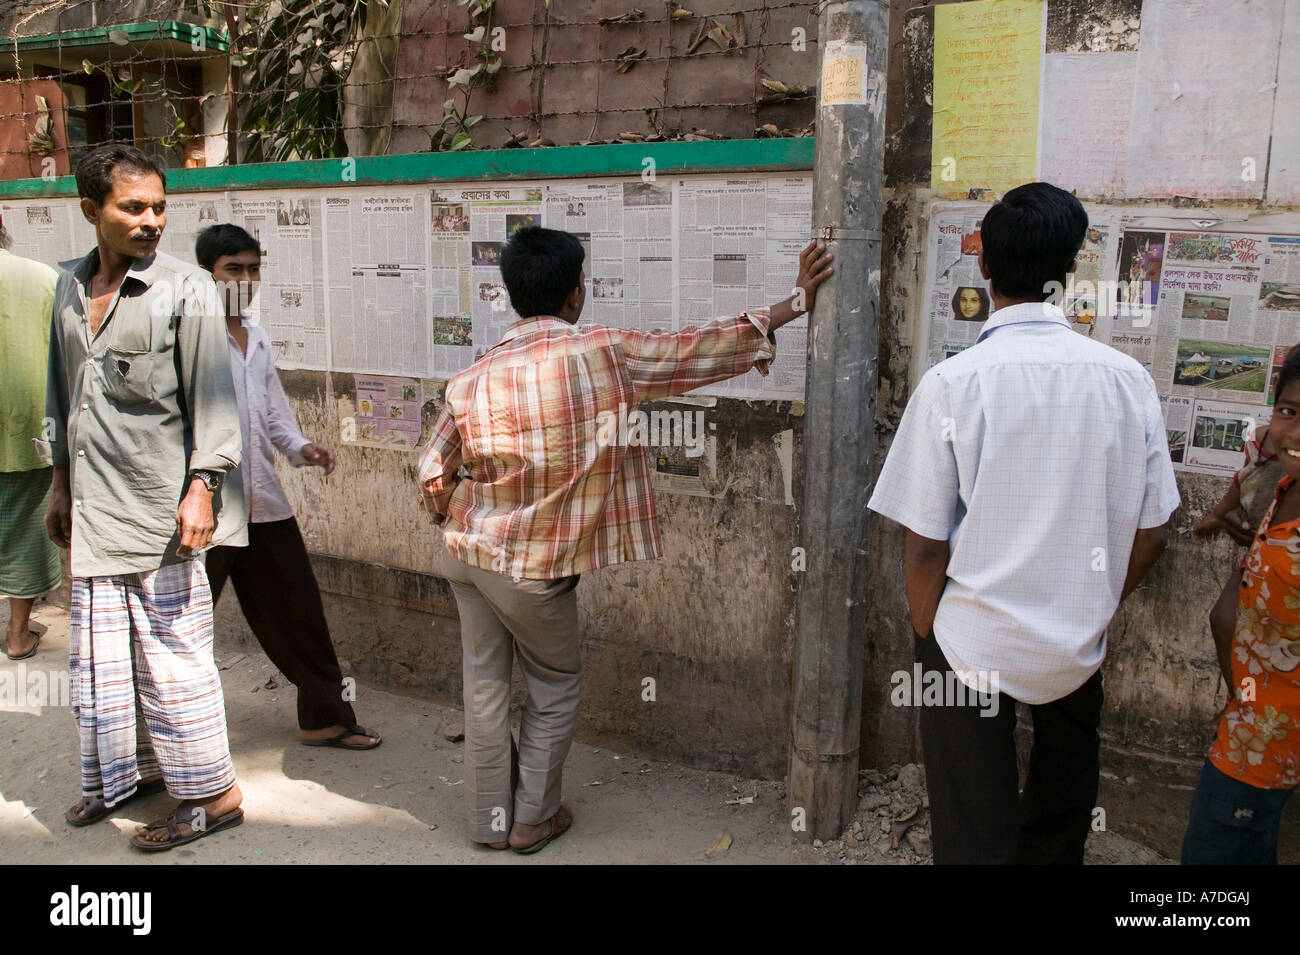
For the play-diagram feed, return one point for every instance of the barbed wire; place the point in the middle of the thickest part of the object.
(167, 82)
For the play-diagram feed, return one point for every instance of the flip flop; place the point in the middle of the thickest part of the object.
(173, 822)
(30, 653)
(100, 810)
(337, 741)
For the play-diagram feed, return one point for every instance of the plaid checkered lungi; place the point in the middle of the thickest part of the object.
(148, 637)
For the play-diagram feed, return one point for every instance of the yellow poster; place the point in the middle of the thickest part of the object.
(986, 64)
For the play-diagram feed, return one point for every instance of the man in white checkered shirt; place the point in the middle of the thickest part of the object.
(1032, 475)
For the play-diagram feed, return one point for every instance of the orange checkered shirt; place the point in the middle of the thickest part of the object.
(547, 493)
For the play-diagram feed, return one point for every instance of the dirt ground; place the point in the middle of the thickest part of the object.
(404, 802)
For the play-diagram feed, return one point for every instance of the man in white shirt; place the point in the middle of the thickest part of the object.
(1033, 477)
(273, 578)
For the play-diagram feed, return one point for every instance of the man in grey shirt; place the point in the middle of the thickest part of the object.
(142, 425)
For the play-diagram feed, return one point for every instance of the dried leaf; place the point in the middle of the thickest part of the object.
(697, 38)
(118, 37)
(628, 58)
(776, 86)
(680, 14)
(538, 143)
(740, 30)
(769, 128)
(720, 844)
(631, 16)
(631, 137)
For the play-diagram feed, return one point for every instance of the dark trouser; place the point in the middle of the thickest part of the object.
(278, 594)
(976, 812)
(1232, 823)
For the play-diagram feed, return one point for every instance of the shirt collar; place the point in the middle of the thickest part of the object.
(247, 320)
(1024, 313)
(144, 270)
(536, 323)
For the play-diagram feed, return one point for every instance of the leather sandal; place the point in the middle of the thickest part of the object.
(187, 817)
(558, 825)
(95, 810)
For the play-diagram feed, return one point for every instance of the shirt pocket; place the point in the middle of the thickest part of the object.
(130, 362)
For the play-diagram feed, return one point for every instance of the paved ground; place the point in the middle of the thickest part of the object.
(401, 803)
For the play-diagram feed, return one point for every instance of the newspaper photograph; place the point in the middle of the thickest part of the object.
(1217, 439)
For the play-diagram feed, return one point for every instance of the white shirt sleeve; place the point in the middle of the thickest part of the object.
(1161, 498)
(918, 485)
(280, 423)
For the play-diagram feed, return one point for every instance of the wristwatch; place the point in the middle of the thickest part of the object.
(211, 479)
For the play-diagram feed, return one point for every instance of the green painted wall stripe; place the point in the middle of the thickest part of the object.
(215, 40)
(560, 162)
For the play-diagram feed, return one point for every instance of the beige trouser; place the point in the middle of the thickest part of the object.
(538, 619)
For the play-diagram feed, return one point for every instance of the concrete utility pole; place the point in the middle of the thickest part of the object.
(839, 430)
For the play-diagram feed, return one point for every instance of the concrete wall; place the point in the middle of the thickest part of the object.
(711, 622)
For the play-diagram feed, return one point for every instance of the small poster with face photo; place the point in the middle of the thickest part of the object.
(970, 304)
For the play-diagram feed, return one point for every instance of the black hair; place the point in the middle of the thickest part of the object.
(223, 239)
(541, 267)
(95, 171)
(1030, 238)
(1289, 372)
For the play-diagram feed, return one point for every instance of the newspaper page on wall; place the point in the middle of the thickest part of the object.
(405, 281)
(377, 274)
(739, 242)
(47, 230)
(1226, 307)
(290, 304)
(494, 215)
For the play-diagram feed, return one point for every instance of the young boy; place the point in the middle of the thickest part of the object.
(272, 576)
(1254, 764)
(551, 494)
(1238, 515)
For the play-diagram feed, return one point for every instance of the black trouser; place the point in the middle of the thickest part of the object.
(976, 812)
(278, 594)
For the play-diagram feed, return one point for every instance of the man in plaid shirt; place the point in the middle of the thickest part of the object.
(528, 477)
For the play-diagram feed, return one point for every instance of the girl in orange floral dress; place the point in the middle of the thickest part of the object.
(1254, 763)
